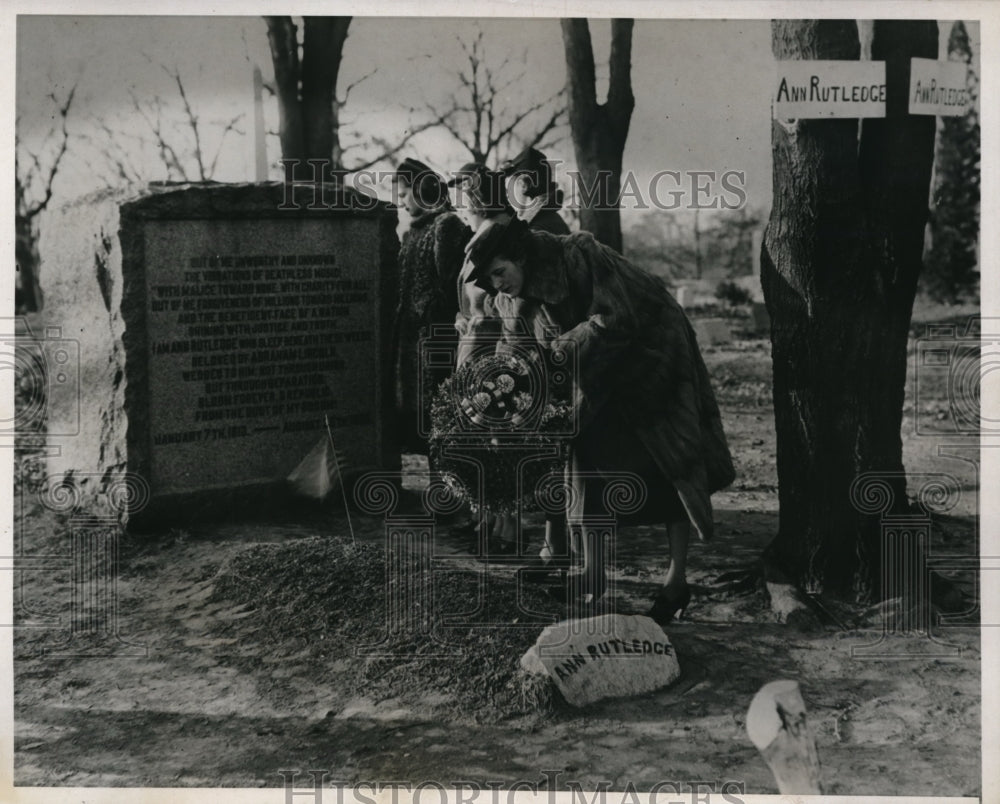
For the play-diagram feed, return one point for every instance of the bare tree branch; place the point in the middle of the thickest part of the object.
(192, 120)
(478, 116)
(168, 154)
(390, 150)
(555, 121)
(508, 130)
(109, 147)
(353, 84)
(22, 185)
(230, 126)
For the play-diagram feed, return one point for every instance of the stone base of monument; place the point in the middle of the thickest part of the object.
(198, 337)
(274, 499)
(610, 656)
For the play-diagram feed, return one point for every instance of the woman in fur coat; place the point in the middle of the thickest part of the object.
(430, 258)
(641, 391)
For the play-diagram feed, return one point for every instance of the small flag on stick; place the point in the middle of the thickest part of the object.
(320, 471)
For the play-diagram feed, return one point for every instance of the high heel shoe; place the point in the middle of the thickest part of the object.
(668, 607)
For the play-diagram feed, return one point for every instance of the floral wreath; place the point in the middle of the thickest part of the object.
(492, 421)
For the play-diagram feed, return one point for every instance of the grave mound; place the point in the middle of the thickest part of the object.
(330, 596)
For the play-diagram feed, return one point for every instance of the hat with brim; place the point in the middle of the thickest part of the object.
(467, 172)
(530, 160)
(412, 170)
(489, 242)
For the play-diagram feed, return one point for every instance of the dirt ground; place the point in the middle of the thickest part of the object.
(180, 706)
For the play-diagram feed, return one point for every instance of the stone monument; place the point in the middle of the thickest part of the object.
(218, 328)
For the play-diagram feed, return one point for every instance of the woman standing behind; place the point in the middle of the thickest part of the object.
(642, 394)
(533, 192)
(536, 199)
(430, 258)
(479, 197)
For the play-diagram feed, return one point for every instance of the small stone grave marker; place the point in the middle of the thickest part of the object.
(611, 656)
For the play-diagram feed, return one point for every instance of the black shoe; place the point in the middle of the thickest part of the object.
(667, 607)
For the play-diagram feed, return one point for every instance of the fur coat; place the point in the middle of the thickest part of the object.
(430, 256)
(637, 359)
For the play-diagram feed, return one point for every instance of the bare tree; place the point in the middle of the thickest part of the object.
(184, 145)
(658, 243)
(599, 129)
(309, 108)
(119, 152)
(204, 166)
(35, 173)
(306, 86)
(951, 271)
(179, 137)
(480, 115)
(839, 267)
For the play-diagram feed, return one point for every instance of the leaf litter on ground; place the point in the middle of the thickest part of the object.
(459, 633)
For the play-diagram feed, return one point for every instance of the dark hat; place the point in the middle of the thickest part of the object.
(501, 235)
(467, 171)
(486, 195)
(530, 160)
(427, 186)
(412, 170)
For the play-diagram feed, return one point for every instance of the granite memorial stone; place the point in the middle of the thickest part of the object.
(219, 326)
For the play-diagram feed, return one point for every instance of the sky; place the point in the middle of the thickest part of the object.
(702, 88)
(695, 110)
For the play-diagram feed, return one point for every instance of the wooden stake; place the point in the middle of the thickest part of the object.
(776, 724)
(340, 476)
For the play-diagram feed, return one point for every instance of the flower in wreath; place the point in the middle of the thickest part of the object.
(493, 433)
(505, 383)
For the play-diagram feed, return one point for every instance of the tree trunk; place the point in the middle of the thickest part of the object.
(951, 264)
(307, 90)
(282, 36)
(839, 265)
(27, 292)
(599, 130)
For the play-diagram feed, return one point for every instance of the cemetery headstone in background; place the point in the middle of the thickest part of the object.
(712, 331)
(217, 326)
